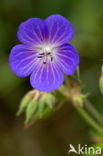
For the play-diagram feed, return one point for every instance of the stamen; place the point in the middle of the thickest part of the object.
(51, 58)
(45, 54)
(44, 62)
(40, 56)
(48, 53)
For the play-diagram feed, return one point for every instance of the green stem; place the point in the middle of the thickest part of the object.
(67, 82)
(94, 112)
(78, 74)
(85, 114)
(88, 118)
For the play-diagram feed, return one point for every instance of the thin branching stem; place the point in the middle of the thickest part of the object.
(93, 111)
(89, 119)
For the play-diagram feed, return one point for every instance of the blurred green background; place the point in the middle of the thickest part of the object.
(50, 137)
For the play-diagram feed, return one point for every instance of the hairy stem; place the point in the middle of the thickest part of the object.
(89, 120)
(86, 115)
(93, 111)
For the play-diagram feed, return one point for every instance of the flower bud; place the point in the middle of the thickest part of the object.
(37, 105)
(46, 105)
(29, 98)
(78, 99)
(31, 110)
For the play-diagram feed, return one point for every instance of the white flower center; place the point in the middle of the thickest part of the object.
(47, 49)
(46, 53)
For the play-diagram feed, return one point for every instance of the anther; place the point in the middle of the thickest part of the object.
(51, 58)
(48, 53)
(44, 62)
(40, 56)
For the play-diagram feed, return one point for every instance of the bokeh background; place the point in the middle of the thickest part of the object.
(50, 137)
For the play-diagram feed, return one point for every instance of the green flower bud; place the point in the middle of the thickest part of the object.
(78, 99)
(23, 105)
(31, 110)
(46, 104)
(36, 105)
(26, 100)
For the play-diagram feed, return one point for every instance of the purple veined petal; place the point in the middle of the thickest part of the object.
(46, 79)
(32, 31)
(60, 29)
(67, 59)
(22, 60)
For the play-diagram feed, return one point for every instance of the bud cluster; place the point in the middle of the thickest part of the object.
(37, 105)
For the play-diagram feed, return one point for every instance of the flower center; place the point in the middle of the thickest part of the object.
(46, 53)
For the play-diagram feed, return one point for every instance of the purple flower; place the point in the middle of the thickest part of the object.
(45, 53)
